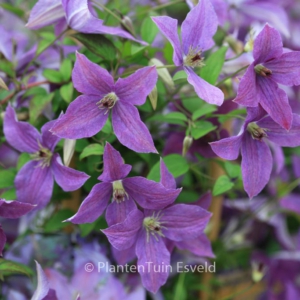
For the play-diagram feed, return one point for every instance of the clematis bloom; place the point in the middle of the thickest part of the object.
(34, 182)
(197, 32)
(88, 113)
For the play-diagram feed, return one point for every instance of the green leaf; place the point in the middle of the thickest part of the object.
(149, 30)
(7, 178)
(9, 194)
(37, 105)
(172, 118)
(13, 9)
(179, 77)
(98, 44)
(66, 69)
(192, 104)
(8, 68)
(23, 159)
(213, 65)
(92, 149)
(107, 128)
(66, 92)
(233, 114)
(55, 223)
(204, 110)
(176, 164)
(53, 76)
(201, 129)
(222, 185)
(9, 267)
(233, 170)
(37, 90)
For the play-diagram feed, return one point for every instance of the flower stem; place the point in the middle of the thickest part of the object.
(232, 75)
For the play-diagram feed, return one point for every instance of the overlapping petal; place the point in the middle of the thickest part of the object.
(228, 148)
(42, 284)
(49, 139)
(14, 209)
(166, 178)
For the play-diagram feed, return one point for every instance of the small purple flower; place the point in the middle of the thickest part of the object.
(11, 210)
(88, 113)
(149, 231)
(34, 182)
(197, 31)
(271, 67)
(147, 193)
(257, 160)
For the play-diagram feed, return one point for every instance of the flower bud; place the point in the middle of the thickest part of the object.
(258, 271)
(187, 143)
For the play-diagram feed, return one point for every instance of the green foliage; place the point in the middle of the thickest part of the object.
(148, 30)
(222, 185)
(8, 268)
(92, 149)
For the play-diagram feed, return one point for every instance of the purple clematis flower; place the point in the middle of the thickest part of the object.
(197, 31)
(77, 14)
(34, 182)
(11, 210)
(271, 67)
(88, 113)
(147, 193)
(256, 155)
(149, 231)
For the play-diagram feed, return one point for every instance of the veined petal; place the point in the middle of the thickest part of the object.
(49, 139)
(123, 235)
(228, 148)
(83, 118)
(285, 69)
(125, 256)
(130, 130)
(184, 222)
(149, 194)
(21, 135)
(203, 89)
(135, 88)
(153, 261)
(296, 165)
(42, 284)
(199, 26)
(93, 205)
(200, 246)
(114, 167)
(2, 240)
(168, 27)
(291, 202)
(247, 90)
(118, 212)
(34, 184)
(280, 136)
(278, 157)
(44, 13)
(166, 178)
(14, 209)
(275, 102)
(89, 78)
(256, 165)
(267, 45)
(68, 179)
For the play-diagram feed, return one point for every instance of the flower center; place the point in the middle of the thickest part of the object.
(193, 58)
(44, 156)
(153, 226)
(256, 132)
(108, 102)
(262, 71)
(119, 193)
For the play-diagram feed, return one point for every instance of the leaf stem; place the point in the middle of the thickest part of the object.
(232, 75)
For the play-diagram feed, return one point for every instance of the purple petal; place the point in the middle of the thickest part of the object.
(291, 202)
(247, 90)
(68, 179)
(200, 246)
(2, 240)
(153, 261)
(168, 27)
(114, 167)
(14, 209)
(285, 69)
(280, 136)
(204, 201)
(49, 139)
(89, 78)
(130, 130)
(44, 13)
(34, 184)
(275, 102)
(203, 89)
(135, 88)
(267, 45)
(82, 119)
(118, 212)
(42, 284)
(79, 16)
(22, 136)
(125, 256)
(278, 157)
(199, 26)
(296, 165)
(166, 178)
(149, 194)
(93, 205)
(228, 148)
(184, 221)
(123, 235)
(256, 165)
(26, 57)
